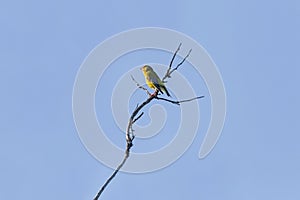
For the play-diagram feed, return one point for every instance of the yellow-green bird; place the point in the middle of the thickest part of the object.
(153, 80)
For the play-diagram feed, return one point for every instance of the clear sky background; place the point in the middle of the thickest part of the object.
(255, 45)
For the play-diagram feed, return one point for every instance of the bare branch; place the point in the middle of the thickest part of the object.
(113, 175)
(182, 61)
(170, 70)
(174, 69)
(129, 131)
(187, 100)
(140, 86)
(138, 118)
(167, 75)
(168, 100)
(178, 102)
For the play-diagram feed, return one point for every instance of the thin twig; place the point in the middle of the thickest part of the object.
(114, 174)
(171, 63)
(187, 55)
(140, 86)
(138, 118)
(178, 102)
(170, 70)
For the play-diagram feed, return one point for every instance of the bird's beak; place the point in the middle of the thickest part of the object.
(141, 68)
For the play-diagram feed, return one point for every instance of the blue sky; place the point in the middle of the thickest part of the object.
(255, 45)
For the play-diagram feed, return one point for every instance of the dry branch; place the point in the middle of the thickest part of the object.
(178, 102)
(134, 116)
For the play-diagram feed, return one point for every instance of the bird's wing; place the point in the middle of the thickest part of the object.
(158, 87)
(154, 78)
(165, 90)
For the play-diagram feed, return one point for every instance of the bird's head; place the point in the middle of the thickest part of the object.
(146, 68)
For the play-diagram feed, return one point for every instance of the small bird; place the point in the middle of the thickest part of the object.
(153, 80)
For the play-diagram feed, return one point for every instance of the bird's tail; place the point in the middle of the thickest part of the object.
(166, 91)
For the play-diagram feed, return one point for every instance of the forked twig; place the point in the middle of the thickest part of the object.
(171, 63)
(187, 55)
(170, 70)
